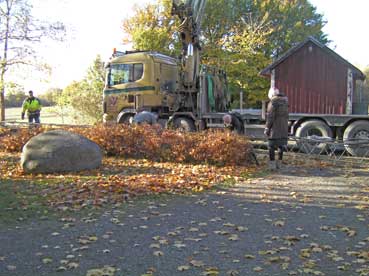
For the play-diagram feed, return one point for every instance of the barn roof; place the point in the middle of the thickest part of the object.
(356, 71)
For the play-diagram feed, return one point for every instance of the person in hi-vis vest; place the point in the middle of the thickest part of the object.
(33, 107)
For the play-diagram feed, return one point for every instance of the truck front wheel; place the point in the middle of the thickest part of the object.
(184, 124)
(312, 135)
(356, 138)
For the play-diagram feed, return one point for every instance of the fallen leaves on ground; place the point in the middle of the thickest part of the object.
(105, 271)
(120, 179)
(147, 160)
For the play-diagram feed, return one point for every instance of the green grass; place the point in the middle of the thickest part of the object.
(19, 201)
(48, 116)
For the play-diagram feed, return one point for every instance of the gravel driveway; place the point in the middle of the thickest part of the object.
(309, 219)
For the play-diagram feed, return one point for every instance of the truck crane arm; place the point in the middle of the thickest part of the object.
(190, 13)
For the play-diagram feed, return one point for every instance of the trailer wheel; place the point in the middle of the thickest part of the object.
(316, 130)
(184, 124)
(356, 138)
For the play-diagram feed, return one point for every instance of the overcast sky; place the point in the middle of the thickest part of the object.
(347, 27)
(95, 28)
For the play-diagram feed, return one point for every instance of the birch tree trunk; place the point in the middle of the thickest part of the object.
(4, 60)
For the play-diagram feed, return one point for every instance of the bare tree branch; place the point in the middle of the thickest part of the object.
(19, 31)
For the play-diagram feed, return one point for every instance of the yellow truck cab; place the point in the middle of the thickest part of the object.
(139, 80)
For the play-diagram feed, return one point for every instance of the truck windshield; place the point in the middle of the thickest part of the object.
(123, 73)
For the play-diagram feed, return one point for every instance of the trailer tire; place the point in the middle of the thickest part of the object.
(358, 131)
(184, 124)
(313, 128)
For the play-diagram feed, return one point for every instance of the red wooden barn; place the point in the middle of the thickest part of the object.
(315, 79)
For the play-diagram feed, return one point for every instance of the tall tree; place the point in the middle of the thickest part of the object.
(236, 44)
(85, 96)
(19, 31)
(242, 36)
(50, 97)
(15, 94)
(152, 28)
(292, 22)
(248, 34)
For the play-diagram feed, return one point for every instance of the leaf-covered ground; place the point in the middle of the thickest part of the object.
(116, 181)
(166, 209)
(310, 218)
(144, 160)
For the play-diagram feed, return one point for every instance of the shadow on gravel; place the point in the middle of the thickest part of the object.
(294, 222)
(194, 235)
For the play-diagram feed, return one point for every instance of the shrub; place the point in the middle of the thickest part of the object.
(213, 147)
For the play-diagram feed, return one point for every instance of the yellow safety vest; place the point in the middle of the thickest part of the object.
(31, 105)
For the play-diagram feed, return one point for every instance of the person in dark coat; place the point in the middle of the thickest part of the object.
(276, 127)
(233, 122)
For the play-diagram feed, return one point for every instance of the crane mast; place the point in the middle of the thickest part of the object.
(190, 13)
(181, 91)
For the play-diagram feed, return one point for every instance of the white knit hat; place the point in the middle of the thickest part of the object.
(273, 92)
(227, 119)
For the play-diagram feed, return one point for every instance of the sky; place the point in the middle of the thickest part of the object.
(347, 26)
(94, 27)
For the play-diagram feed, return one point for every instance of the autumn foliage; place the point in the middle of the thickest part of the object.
(139, 160)
(153, 143)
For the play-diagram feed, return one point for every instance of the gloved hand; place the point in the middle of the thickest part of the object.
(267, 131)
(22, 116)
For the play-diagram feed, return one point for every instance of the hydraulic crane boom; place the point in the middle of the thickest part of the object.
(181, 91)
(190, 12)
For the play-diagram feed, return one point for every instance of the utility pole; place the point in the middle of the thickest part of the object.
(241, 101)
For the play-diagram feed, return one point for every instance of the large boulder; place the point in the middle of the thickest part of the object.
(60, 151)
